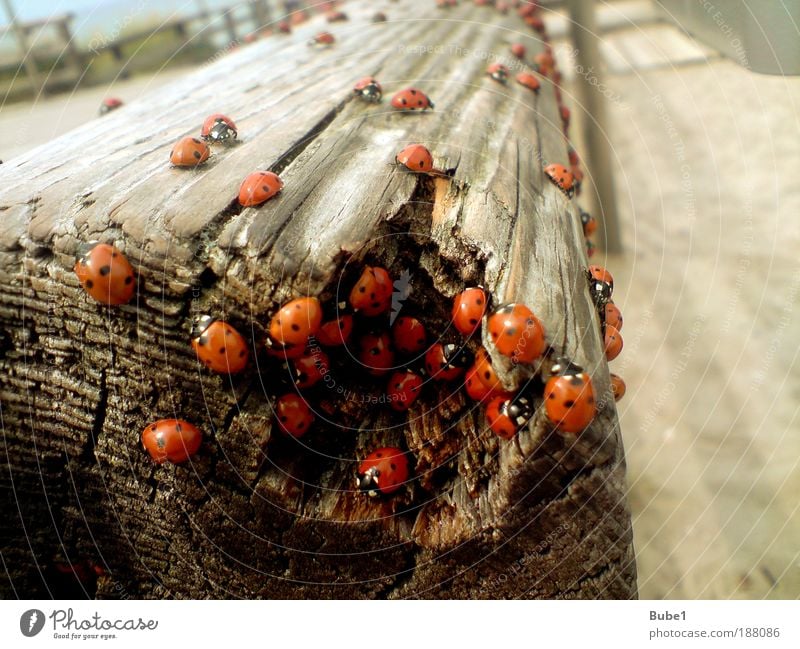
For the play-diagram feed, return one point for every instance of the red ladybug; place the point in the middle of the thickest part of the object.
(612, 316)
(590, 248)
(612, 342)
(408, 335)
(323, 39)
(336, 17)
(507, 416)
(310, 368)
(411, 99)
(618, 387)
(517, 333)
(518, 50)
(589, 224)
(372, 293)
(284, 27)
(478, 390)
(485, 373)
(376, 354)
(105, 273)
(565, 115)
(561, 177)
(369, 90)
(529, 81)
(189, 152)
(109, 104)
(545, 62)
(258, 188)
(173, 440)
(468, 309)
(219, 346)
(384, 471)
(416, 158)
(293, 414)
(569, 398)
(498, 72)
(404, 389)
(572, 154)
(577, 179)
(296, 321)
(219, 128)
(535, 22)
(336, 332)
(446, 362)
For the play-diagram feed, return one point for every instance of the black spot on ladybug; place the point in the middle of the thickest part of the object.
(379, 455)
(404, 101)
(569, 403)
(227, 332)
(341, 324)
(511, 331)
(129, 279)
(105, 270)
(421, 164)
(89, 283)
(114, 254)
(295, 327)
(551, 396)
(221, 350)
(473, 321)
(283, 418)
(301, 424)
(241, 353)
(362, 289)
(196, 154)
(195, 140)
(265, 188)
(298, 307)
(413, 92)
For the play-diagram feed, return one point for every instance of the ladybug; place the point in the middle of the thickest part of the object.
(612, 316)
(250, 38)
(411, 99)
(404, 389)
(416, 158)
(498, 72)
(284, 351)
(577, 177)
(589, 224)
(310, 368)
(376, 354)
(507, 416)
(519, 50)
(569, 398)
(590, 248)
(408, 335)
(284, 27)
(372, 293)
(477, 390)
(383, 471)
(517, 333)
(189, 152)
(105, 273)
(293, 414)
(561, 177)
(485, 373)
(173, 440)
(613, 342)
(529, 81)
(369, 90)
(468, 309)
(545, 62)
(323, 39)
(601, 285)
(536, 23)
(258, 188)
(336, 332)
(219, 346)
(296, 321)
(572, 154)
(219, 128)
(109, 104)
(336, 17)
(446, 362)
(618, 387)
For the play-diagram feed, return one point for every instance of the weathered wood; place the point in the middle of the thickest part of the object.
(257, 515)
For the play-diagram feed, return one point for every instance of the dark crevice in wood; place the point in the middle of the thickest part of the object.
(88, 455)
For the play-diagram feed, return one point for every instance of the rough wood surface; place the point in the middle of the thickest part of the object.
(257, 515)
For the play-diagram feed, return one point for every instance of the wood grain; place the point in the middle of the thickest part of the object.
(258, 515)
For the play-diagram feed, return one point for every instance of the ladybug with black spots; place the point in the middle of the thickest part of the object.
(369, 90)
(384, 471)
(219, 346)
(105, 273)
(506, 417)
(519, 50)
(336, 331)
(498, 72)
(322, 40)
(189, 152)
(589, 224)
(612, 341)
(411, 99)
(561, 177)
(529, 81)
(569, 397)
(372, 293)
(447, 362)
(293, 414)
(468, 309)
(404, 389)
(517, 333)
(409, 335)
(310, 368)
(219, 128)
(296, 321)
(171, 440)
(601, 285)
(416, 158)
(109, 104)
(259, 187)
(376, 353)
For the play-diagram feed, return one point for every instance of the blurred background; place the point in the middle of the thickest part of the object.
(703, 153)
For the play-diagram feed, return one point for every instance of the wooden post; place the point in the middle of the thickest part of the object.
(73, 55)
(26, 53)
(595, 131)
(260, 14)
(257, 513)
(230, 25)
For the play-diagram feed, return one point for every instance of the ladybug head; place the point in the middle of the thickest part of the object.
(221, 132)
(200, 324)
(563, 366)
(368, 481)
(457, 355)
(84, 249)
(600, 291)
(519, 410)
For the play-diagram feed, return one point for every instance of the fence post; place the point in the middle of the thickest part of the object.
(22, 41)
(73, 56)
